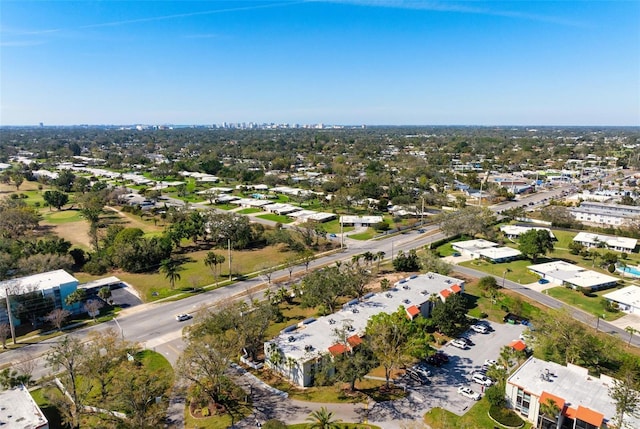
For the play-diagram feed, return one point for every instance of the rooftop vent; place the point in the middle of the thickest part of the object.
(308, 348)
(388, 295)
(291, 338)
(406, 301)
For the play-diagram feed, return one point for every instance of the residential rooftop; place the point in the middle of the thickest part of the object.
(312, 336)
(18, 410)
(571, 383)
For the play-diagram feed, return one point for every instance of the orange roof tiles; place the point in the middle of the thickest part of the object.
(456, 288)
(445, 293)
(548, 396)
(588, 415)
(518, 345)
(337, 349)
(570, 412)
(413, 311)
(354, 340)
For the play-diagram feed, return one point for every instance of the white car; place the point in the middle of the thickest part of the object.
(183, 317)
(465, 391)
(488, 363)
(461, 344)
(481, 329)
(481, 379)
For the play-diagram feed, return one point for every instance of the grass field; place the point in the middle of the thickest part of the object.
(154, 286)
(519, 272)
(367, 235)
(592, 305)
(333, 226)
(476, 417)
(250, 210)
(63, 216)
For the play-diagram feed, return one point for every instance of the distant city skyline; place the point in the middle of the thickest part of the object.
(342, 62)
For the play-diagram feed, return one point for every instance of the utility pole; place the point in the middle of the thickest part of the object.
(229, 246)
(13, 329)
(422, 212)
(341, 234)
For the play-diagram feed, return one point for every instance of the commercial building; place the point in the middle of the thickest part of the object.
(360, 220)
(583, 400)
(602, 214)
(620, 244)
(627, 299)
(19, 410)
(300, 350)
(569, 275)
(57, 285)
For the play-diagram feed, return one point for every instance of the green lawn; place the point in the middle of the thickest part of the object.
(63, 216)
(276, 218)
(226, 206)
(519, 272)
(153, 286)
(367, 235)
(476, 417)
(50, 412)
(592, 305)
(250, 210)
(333, 226)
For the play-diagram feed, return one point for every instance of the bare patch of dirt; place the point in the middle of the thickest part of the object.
(75, 232)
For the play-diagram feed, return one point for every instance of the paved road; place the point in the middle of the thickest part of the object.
(551, 302)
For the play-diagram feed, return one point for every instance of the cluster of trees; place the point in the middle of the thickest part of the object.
(471, 221)
(106, 373)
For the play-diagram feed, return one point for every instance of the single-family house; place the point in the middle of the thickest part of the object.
(627, 299)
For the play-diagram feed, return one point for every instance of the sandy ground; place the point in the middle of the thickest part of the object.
(76, 232)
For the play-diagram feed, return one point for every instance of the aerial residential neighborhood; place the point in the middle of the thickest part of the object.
(316, 281)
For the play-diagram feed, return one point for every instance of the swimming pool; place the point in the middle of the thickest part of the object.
(630, 271)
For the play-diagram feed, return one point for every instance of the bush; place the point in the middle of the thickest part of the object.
(495, 396)
(274, 424)
(505, 416)
(95, 267)
(483, 315)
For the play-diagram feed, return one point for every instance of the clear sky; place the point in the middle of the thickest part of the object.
(369, 62)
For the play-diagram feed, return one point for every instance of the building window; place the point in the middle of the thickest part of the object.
(523, 400)
(584, 425)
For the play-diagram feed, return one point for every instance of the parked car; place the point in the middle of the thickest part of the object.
(465, 391)
(332, 235)
(422, 370)
(417, 376)
(459, 343)
(183, 317)
(467, 341)
(481, 379)
(481, 329)
(489, 363)
(441, 356)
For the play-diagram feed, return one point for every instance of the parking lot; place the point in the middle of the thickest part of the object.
(442, 389)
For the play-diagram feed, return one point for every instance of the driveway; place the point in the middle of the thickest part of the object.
(632, 320)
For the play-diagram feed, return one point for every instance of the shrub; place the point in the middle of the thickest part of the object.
(505, 416)
(205, 411)
(274, 424)
(483, 315)
(495, 396)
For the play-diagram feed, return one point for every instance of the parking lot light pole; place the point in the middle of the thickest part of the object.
(119, 327)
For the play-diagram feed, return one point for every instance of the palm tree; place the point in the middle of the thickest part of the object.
(631, 330)
(368, 257)
(171, 269)
(214, 262)
(379, 258)
(550, 410)
(322, 419)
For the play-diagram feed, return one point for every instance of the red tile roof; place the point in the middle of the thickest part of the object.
(337, 349)
(546, 396)
(518, 345)
(413, 311)
(445, 293)
(354, 340)
(456, 288)
(588, 415)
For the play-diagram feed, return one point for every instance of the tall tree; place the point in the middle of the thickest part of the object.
(388, 337)
(535, 242)
(55, 198)
(214, 261)
(625, 393)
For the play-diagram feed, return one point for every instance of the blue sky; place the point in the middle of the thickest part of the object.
(334, 62)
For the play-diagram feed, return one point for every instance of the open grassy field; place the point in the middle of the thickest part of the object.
(57, 217)
(519, 272)
(476, 417)
(249, 210)
(276, 218)
(154, 286)
(591, 304)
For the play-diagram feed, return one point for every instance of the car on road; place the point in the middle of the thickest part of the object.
(332, 236)
(481, 379)
(182, 317)
(481, 329)
(467, 392)
(459, 343)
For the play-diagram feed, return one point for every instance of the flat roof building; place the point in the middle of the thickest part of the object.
(584, 400)
(485, 249)
(515, 231)
(18, 410)
(300, 349)
(565, 274)
(621, 244)
(605, 214)
(627, 299)
(360, 220)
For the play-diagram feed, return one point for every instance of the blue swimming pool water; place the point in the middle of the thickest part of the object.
(634, 271)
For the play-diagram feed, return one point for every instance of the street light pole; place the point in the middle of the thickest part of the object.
(11, 326)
